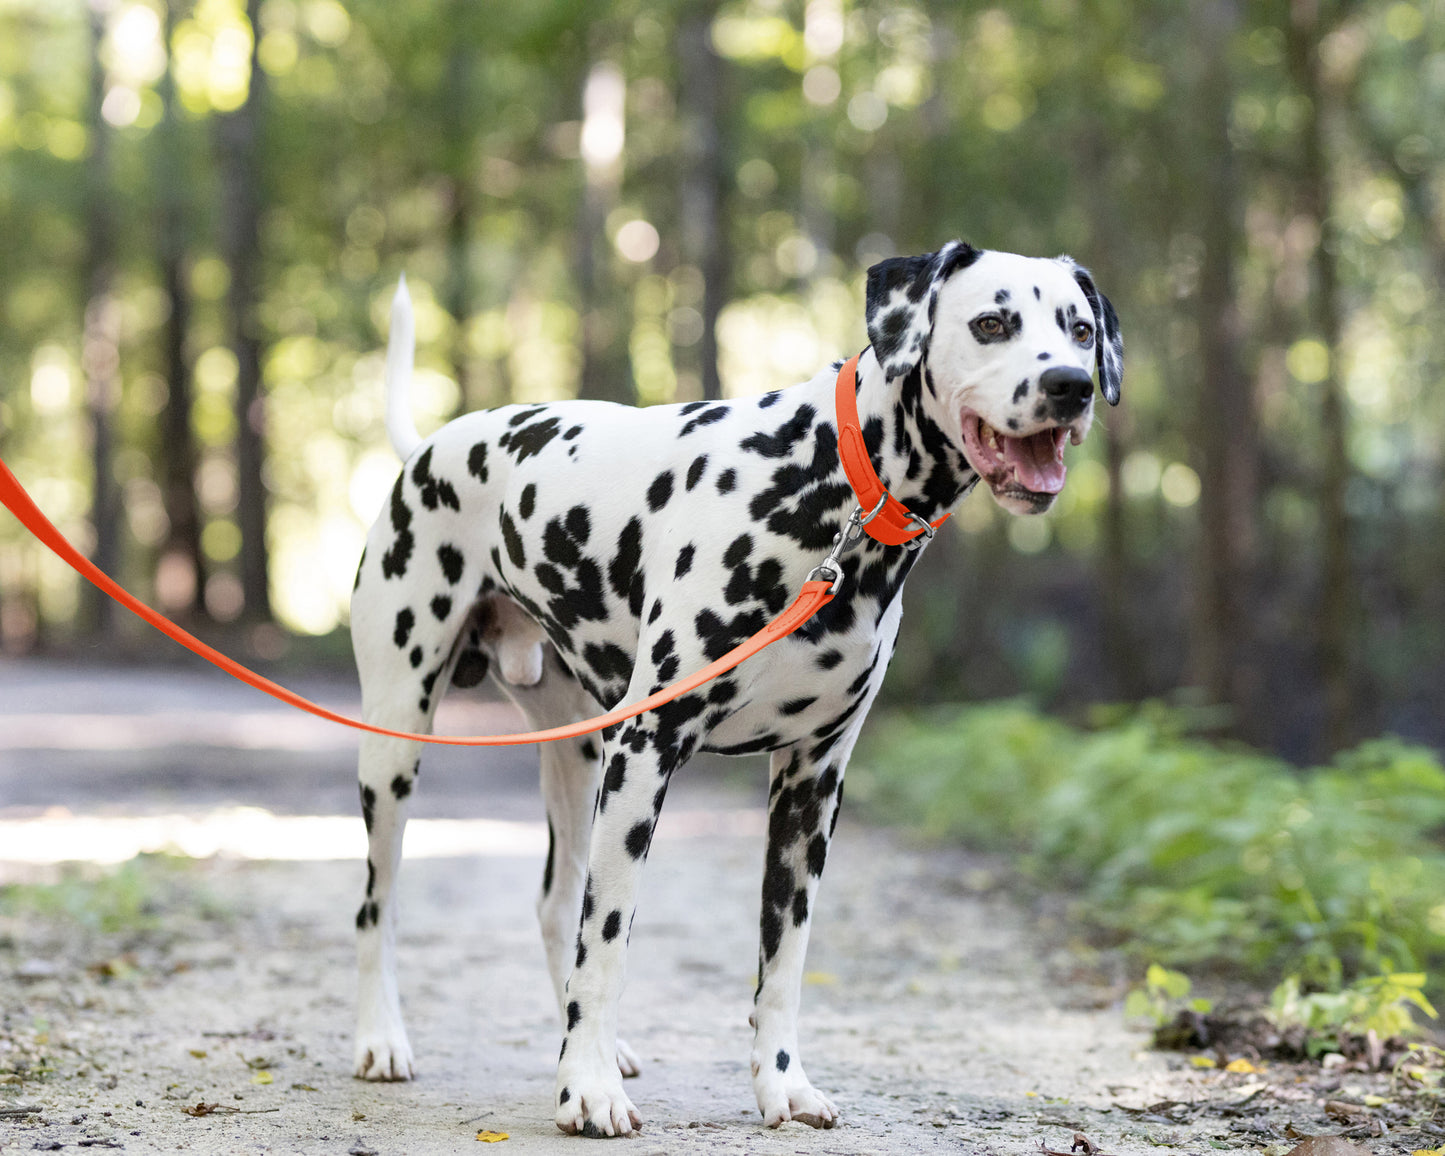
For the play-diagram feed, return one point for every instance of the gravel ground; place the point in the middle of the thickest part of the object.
(940, 1012)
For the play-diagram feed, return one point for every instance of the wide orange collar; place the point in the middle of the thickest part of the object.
(894, 524)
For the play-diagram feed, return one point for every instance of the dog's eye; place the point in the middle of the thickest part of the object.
(1083, 332)
(990, 326)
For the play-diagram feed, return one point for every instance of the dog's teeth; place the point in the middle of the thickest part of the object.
(1074, 437)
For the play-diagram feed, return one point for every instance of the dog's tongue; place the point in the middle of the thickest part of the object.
(1037, 461)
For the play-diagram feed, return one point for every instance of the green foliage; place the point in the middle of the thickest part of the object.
(1378, 1003)
(1192, 853)
(1164, 994)
(133, 897)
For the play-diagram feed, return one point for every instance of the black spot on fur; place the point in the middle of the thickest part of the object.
(477, 462)
(797, 705)
(471, 668)
(551, 854)
(393, 562)
(528, 501)
(531, 440)
(441, 606)
(695, 471)
(581, 952)
(784, 439)
(434, 491)
(611, 925)
(717, 413)
(574, 1013)
(588, 749)
(727, 481)
(768, 400)
(415, 656)
(782, 1060)
(639, 838)
(623, 573)
(829, 659)
(817, 854)
(684, 560)
(1021, 391)
(368, 807)
(405, 620)
(566, 1093)
(513, 541)
(401, 786)
(660, 491)
(579, 524)
(367, 916)
(451, 561)
(613, 780)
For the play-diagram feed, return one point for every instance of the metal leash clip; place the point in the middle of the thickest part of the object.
(830, 569)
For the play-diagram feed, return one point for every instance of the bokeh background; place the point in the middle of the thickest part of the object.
(205, 204)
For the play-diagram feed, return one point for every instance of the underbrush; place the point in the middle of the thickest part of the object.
(1187, 852)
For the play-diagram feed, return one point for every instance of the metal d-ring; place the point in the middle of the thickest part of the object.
(925, 532)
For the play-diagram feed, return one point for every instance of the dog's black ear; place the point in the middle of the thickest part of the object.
(1109, 344)
(902, 295)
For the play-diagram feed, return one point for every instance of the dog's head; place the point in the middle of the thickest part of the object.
(1008, 346)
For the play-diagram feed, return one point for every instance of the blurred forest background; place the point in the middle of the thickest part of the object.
(205, 204)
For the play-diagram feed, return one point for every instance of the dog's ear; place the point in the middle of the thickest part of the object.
(1109, 344)
(902, 295)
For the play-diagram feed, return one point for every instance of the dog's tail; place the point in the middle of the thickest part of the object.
(400, 355)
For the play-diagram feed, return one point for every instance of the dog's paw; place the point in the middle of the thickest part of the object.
(384, 1056)
(784, 1096)
(595, 1106)
(627, 1062)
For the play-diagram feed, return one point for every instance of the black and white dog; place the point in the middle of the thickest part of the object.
(590, 553)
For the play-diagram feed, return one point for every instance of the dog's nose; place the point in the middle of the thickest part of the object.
(1067, 386)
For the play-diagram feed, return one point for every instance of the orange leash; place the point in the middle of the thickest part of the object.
(890, 522)
(814, 596)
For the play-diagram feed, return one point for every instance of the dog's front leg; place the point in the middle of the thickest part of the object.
(637, 761)
(388, 771)
(805, 790)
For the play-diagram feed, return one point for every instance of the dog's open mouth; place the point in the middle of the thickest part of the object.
(1032, 464)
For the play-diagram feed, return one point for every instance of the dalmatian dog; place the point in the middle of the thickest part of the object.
(587, 554)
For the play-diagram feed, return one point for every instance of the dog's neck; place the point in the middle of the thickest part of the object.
(916, 460)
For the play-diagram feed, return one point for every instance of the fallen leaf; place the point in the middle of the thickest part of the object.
(262, 1077)
(200, 1109)
(1328, 1146)
(1203, 1061)
(1429, 1151)
(820, 978)
(492, 1137)
(302, 1088)
(199, 1053)
(1374, 1101)
(1240, 1065)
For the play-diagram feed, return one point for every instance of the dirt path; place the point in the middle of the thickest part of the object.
(935, 1013)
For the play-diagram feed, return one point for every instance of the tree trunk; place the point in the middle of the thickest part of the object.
(241, 190)
(178, 443)
(605, 367)
(704, 180)
(1226, 426)
(100, 349)
(459, 122)
(1339, 597)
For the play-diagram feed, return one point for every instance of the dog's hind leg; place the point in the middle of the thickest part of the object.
(388, 768)
(571, 771)
(404, 659)
(805, 790)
